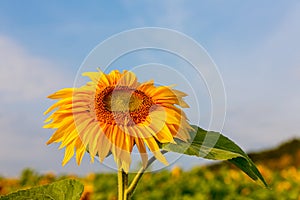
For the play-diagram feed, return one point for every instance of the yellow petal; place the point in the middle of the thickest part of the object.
(80, 149)
(104, 146)
(154, 148)
(152, 144)
(142, 149)
(59, 103)
(128, 79)
(68, 154)
(165, 135)
(94, 76)
(159, 156)
(56, 137)
(125, 161)
(63, 93)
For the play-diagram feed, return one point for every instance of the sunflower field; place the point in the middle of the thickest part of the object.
(225, 182)
(279, 166)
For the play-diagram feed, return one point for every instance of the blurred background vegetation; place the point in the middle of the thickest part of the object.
(280, 167)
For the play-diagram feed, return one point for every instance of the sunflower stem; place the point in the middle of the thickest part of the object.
(125, 185)
(138, 176)
(122, 184)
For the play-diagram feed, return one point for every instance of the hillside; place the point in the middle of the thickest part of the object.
(287, 154)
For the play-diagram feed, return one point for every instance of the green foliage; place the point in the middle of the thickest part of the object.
(29, 177)
(107, 186)
(215, 146)
(224, 183)
(60, 190)
(221, 181)
(201, 183)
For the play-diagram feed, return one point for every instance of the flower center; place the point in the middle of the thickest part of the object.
(122, 105)
(122, 101)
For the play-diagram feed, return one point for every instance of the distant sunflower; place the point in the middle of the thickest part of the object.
(112, 113)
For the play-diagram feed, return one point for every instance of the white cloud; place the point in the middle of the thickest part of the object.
(169, 13)
(175, 14)
(25, 81)
(263, 97)
(25, 77)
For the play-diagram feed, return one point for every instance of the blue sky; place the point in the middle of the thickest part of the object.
(43, 43)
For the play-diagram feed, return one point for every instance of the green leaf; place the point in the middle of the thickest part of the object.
(60, 190)
(215, 146)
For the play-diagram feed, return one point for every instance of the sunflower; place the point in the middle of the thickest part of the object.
(114, 112)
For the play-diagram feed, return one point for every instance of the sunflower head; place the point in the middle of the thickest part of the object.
(113, 113)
